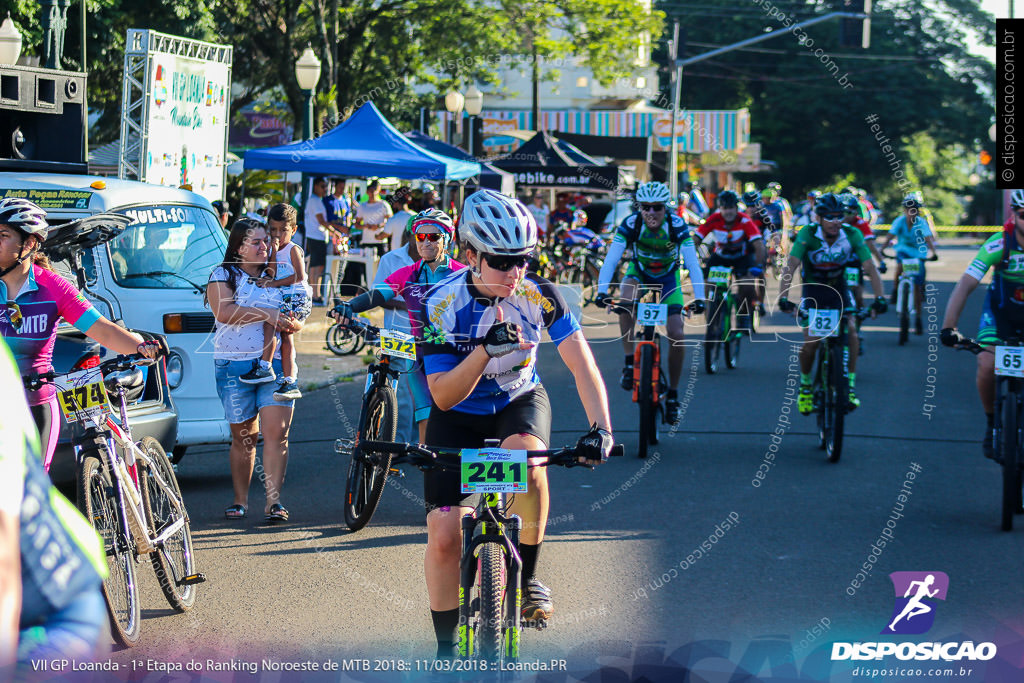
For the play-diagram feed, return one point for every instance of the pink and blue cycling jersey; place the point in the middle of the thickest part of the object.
(412, 283)
(28, 322)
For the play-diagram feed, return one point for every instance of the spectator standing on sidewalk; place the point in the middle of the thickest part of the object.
(372, 216)
(397, 224)
(318, 236)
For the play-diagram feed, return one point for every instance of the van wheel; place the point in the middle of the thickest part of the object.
(178, 453)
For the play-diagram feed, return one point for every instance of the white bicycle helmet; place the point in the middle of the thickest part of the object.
(1017, 199)
(492, 223)
(653, 193)
(24, 216)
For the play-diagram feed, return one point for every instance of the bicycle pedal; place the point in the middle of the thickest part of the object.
(344, 446)
(395, 472)
(192, 579)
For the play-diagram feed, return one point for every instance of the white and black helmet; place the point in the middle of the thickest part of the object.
(24, 216)
(492, 223)
(653, 193)
(1017, 199)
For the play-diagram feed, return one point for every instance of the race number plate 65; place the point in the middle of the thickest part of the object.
(852, 276)
(824, 322)
(911, 266)
(493, 470)
(652, 314)
(397, 344)
(82, 393)
(719, 275)
(1010, 361)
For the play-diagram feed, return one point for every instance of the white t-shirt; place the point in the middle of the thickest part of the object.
(377, 214)
(243, 341)
(540, 214)
(396, 227)
(314, 206)
(283, 257)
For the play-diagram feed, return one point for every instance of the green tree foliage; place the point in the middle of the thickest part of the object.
(917, 77)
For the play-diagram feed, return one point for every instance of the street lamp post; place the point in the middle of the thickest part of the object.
(307, 74)
(453, 102)
(474, 105)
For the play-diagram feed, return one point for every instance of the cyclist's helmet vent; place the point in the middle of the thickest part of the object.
(828, 203)
(653, 193)
(24, 216)
(492, 223)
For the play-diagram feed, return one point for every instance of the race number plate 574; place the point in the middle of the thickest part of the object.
(652, 314)
(397, 344)
(1010, 361)
(493, 470)
(82, 393)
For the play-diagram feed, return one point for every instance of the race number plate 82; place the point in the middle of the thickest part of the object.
(397, 344)
(652, 314)
(82, 393)
(493, 470)
(1010, 361)
(824, 322)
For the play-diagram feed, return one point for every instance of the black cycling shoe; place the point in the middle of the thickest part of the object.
(986, 444)
(627, 378)
(537, 607)
(918, 326)
(761, 310)
(673, 411)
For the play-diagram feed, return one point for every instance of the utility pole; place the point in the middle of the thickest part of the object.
(677, 81)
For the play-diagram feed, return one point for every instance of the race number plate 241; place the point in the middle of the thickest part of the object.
(1010, 361)
(652, 314)
(493, 470)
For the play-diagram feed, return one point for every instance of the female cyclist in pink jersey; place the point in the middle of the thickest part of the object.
(35, 298)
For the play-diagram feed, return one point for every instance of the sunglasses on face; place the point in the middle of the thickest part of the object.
(652, 207)
(507, 263)
(834, 217)
(14, 313)
(424, 236)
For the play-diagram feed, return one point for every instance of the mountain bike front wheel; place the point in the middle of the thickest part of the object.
(368, 472)
(492, 579)
(645, 400)
(1011, 459)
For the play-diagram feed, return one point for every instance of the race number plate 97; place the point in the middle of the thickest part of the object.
(1010, 361)
(652, 314)
(824, 322)
(397, 344)
(493, 470)
(82, 393)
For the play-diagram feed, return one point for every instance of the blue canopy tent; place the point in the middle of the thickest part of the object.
(364, 145)
(490, 176)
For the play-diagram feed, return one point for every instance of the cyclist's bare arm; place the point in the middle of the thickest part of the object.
(759, 254)
(786, 280)
(10, 589)
(450, 388)
(114, 337)
(871, 270)
(958, 299)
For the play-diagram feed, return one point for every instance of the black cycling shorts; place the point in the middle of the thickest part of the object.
(740, 265)
(317, 253)
(528, 414)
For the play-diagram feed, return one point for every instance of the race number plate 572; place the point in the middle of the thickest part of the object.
(1010, 361)
(652, 314)
(397, 344)
(493, 470)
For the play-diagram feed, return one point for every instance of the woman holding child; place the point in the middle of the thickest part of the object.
(241, 306)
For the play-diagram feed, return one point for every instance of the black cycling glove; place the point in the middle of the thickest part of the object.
(603, 299)
(880, 305)
(697, 306)
(950, 336)
(595, 444)
(785, 305)
(502, 339)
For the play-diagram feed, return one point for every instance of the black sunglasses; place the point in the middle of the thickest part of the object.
(652, 207)
(507, 263)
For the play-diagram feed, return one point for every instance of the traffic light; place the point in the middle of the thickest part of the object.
(854, 32)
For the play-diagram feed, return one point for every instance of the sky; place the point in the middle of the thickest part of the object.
(1001, 9)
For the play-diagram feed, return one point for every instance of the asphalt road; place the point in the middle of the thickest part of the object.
(773, 585)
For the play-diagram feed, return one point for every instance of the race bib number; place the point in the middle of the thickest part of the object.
(82, 394)
(652, 314)
(397, 344)
(852, 276)
(493, 470)
(1010, 361)
(824, 322)
(719, 275)
(911, 266)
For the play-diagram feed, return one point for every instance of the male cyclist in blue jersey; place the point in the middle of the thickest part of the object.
(481, 328)
(914, 240)
(657, 241)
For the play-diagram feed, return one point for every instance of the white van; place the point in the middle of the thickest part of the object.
(152, 276)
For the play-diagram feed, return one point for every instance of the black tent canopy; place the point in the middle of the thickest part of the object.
(543, 161)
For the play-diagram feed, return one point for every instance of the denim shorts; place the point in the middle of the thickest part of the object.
(241, 401)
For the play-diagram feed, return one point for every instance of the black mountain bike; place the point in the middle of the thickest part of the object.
(489, 569)
(1008, 442)
(831, 381)
(721, 334)
(378, 421)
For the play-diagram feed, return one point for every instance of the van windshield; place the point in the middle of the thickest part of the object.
(167, 247)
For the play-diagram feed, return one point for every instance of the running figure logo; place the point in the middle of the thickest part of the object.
(916, 593)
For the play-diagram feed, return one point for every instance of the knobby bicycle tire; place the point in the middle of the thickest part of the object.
(713, 336)
(492, 579)
(99, 500)
(903, 299)
(368, 472)
(343, 342)
(838, 397)
(174, 560)
(731, 336)
(1010, 452)
(645, 400)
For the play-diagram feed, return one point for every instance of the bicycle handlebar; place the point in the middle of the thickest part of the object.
(428, 457)
(36, 381)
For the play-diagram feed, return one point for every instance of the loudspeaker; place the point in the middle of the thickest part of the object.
(42, 119)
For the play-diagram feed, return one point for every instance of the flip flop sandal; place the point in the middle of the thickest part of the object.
(235, 512)
(277, 513)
